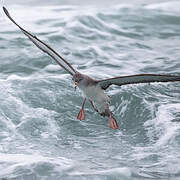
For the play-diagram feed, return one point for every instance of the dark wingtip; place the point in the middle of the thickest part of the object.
(6, 11)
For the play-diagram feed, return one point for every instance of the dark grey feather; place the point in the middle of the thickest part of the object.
(139, 78)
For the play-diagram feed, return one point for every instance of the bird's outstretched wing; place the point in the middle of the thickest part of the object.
(138, 78)
(44, 47)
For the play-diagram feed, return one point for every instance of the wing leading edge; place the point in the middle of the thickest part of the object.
(44, 47)
(135, 79)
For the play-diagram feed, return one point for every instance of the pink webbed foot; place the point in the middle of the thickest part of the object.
(112, 123)
(81, 115)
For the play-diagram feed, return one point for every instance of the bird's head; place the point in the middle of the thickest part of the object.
(78, 79)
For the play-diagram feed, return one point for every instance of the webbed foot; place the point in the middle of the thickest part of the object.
(113, 123)
(81, 115)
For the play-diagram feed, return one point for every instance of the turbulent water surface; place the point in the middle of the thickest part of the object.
(40, 137)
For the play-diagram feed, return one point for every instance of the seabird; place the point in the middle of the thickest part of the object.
(92, 89)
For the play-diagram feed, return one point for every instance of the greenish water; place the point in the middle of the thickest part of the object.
(40, 137)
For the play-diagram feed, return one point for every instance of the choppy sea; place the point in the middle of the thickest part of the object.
(40, 137)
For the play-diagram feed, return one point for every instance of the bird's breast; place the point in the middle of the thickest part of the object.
(97, 96)
(93, 92)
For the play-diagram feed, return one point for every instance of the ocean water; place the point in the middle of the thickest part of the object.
(40, 137)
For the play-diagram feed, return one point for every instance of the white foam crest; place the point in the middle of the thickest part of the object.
(172, 6)
(38, 76)
(38, 115)
(163, 125)
(20, 115)
(52, 68)
(16, 77)
(7, 100)
(124, 171)
(27, 159)
(120, 172)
